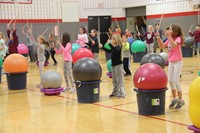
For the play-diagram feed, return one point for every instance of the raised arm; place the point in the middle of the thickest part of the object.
(8, 30)
(160, 42)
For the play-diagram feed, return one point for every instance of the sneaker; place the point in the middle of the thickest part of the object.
(66, 89)
(39, 86)
(180, 104)
(173, 103)
(127, 74)
(112, 95)
(72, 90)
(121, 96)
(55, 64)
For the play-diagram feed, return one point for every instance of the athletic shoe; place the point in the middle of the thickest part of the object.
(173, 103)
(39, 86)
(72, 90)
(112, 95)
(121, 96)
(180, 104)
(66, 89)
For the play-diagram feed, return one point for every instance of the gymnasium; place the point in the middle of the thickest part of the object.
(100, 66)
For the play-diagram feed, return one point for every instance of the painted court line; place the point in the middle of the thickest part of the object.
(153, 117)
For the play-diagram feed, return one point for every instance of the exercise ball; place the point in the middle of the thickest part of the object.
(75, 46)
(150, 76)
(194, 96)
(87, 69)
(130, 40)
(47, 55)
(15, 63)
(138, 46)
(51, 79)
(153, 58)
(164, 56)
(189, 41)
(106, 46)
(22, 49)
(1, 61)
(109, 66)
(81, 53)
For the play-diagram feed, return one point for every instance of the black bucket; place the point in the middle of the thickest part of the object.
(187, 51)
(137, 57)
(88, 92)
(151, 102)
(16, 81)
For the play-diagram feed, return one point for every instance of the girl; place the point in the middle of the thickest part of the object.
(29, 43)
(174, 42)
(40, 55)
(52, 45)
(13, 39)
(94, 44)
(126, 55)
(2, 46)
(65, 49)
(117, 67)
(196, 35)
(128, 33)
(149, 38)
(82, 37)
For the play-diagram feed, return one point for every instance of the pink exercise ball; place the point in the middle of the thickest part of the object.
(22, 49)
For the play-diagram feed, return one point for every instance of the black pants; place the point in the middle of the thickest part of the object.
(126, 65)
(31, 53)
(53, 56)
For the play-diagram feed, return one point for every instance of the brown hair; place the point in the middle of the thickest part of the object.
(177, 32)
(1, 33)
(94, 30)
(42, 38)
(65, 39)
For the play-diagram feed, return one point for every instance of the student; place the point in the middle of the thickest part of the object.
(160, 31)
(94, 44)
(82, 37)
(29, 43)
(149, 38)
(126, 55)
(13, 39)
(52, 46)
(117, 31)
(40, 55)
(65, 49)
(2, 46)
(117, 66)
(196, 35)
(174, 42)
(128, 33)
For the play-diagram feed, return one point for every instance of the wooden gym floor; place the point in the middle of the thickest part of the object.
(29, 111)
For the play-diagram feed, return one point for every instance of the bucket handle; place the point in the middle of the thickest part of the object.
(78, 83)
(136, 90)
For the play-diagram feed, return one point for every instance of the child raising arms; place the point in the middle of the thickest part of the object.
(117, 66)
(65, 49)
(174, 42)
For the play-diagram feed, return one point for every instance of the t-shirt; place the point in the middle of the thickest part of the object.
(126, 50)
(82, 39)
(29, 40)
(174, 53)
(149, 37)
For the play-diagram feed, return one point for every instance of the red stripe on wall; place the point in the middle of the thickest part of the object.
(32, 20)
(180, 14)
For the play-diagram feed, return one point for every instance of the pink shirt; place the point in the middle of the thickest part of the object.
(174, 53)
(66, 52)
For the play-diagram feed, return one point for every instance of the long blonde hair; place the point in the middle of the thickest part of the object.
(42, 38)
(118, 39)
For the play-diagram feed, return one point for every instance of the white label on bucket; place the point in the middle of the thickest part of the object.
(155, 102)
(95, 90)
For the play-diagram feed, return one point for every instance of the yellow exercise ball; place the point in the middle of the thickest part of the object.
(194, 106)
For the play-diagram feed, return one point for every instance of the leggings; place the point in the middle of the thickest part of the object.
(53, 56)
(174, 72)
(67, 66)
(150, 47)
(41, 68)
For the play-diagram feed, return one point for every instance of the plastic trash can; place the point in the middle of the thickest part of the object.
(187, 51)
(137, 57)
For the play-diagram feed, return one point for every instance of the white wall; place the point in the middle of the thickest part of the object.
(51, 9)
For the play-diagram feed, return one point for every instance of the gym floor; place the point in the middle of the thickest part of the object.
(30, 111)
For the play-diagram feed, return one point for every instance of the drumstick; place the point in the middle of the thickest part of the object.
(191, 27)
(73, 36)
(111, 26)
(108, 35)
(90, 38)
(161, 18)
(16, 18)
(45, 31)
(137, 31)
